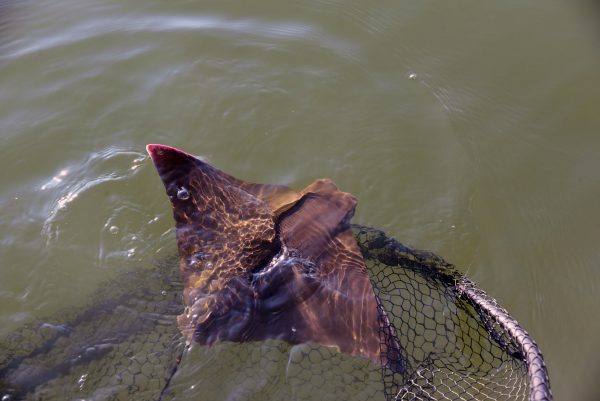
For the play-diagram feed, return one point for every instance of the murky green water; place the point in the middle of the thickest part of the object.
(471, 129)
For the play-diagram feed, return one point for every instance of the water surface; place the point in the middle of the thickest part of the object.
(464, 128)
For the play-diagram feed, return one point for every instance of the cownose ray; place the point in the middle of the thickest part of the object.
(267, 262)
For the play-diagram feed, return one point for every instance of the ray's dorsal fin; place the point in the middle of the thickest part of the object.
(267, 262)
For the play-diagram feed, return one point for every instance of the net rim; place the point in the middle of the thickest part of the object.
(492, 314)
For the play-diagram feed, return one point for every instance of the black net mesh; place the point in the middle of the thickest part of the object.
(456, 343)
(122, 344)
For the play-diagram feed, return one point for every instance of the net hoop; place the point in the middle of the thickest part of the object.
(495, 317)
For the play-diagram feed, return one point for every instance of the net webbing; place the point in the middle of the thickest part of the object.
(457, 342)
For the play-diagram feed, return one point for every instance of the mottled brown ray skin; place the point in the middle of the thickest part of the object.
(267, 262)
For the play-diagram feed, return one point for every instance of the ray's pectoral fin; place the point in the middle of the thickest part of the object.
(219, 225)
(266, 262)
(222, 231)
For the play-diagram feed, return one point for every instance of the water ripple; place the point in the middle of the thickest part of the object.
(99, 27)
(78, 178)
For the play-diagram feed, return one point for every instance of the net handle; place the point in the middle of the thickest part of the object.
(539, 383)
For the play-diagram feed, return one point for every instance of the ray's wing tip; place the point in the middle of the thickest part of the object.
(151, 148)
(163, 155)
(157, 150)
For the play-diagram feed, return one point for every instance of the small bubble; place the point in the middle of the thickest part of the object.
(412, 75)
(163, 293)
(209, 265)
(113, 230)
(131, 253)
(183, 194)
(197, 257)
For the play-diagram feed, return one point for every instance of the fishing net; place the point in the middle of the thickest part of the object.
(122, 344)
(456, 343)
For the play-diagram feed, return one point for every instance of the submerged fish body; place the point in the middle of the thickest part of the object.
(265, 262)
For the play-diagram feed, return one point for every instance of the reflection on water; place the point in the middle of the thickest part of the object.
(470, 130)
